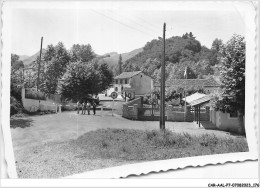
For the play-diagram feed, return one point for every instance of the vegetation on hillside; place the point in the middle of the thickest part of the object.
(180, 52)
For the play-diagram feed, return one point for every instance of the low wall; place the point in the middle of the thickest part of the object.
(179, 114)
(128, 112)
(33, 105)
(225, 123)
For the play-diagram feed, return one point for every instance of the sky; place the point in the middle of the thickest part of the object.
(116, 30)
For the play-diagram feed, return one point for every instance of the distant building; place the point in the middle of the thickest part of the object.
(133, 84)
(209, 85)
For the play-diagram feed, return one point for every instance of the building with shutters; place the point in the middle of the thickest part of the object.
(133, 84)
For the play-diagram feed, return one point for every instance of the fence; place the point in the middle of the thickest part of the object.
(137, 111)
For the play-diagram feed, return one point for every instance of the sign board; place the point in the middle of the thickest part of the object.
(114, 95)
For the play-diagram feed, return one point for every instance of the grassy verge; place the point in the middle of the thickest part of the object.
(154, 145)
(113, 147)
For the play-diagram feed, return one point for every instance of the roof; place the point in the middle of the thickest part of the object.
(124, 75)
(194, 97)
(210, 82)
(200, 101)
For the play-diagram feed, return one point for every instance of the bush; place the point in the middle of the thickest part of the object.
(15, 106)
(29, 94)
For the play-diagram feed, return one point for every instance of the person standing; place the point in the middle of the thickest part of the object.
(78, 105)
(94, 108)
(88, 108)
(84, 108)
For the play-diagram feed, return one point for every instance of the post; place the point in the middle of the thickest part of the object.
(199, 116)
(101, 110)
(39, 65)
(162, 98)
(112, 108)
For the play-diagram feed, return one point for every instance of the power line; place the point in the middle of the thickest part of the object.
(155, 29)
(108, 17)
(152, 25)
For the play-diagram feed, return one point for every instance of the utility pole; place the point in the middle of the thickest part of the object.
(39, 66)
(162, 97)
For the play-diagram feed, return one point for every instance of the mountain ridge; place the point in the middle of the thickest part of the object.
(111, 58)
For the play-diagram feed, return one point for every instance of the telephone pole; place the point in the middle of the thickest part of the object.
(162, 97)
(39, 66)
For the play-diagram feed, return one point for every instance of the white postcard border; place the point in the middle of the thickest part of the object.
(248, 16)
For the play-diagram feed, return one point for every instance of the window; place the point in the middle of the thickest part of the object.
(122, 88)
(116, 81)
(125, 81)
(116, 89)
(233, 115)
(121, 81)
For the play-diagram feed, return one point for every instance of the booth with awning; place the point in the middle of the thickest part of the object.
(197, 105)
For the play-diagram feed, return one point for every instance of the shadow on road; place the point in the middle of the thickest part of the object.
(21, 122)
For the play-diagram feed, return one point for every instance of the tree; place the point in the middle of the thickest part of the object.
(83, 79)
(217, 44)
(232, 72)
(83, 53)
(120, 64)
(55, 60)
(16, 76)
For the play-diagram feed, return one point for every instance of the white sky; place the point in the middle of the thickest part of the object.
(116, 31)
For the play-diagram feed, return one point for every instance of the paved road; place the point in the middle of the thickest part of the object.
(70, 125)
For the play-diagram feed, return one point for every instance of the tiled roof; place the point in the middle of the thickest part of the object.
(127, 75)
(200, 100)
(210, 82)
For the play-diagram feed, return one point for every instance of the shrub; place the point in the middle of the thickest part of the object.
(29, 94)
(15, 106)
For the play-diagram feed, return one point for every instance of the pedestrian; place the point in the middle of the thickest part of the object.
(78, 106)
(84, 108)
(88, 108)
(94, 108)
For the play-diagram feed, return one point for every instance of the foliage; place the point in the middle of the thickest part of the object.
(82, 79)
(140, 145)
(83, 53)
(232, 71)
(180, 52)
(30, 94)
(119, 66)
(15, 106)
(56, 60)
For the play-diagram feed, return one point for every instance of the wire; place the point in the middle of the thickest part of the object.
(121, 23)
(155, 29)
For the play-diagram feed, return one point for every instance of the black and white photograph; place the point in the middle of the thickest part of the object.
(94, 86)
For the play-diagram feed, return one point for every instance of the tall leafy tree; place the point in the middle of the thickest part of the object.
(232, 71)
(82, 79)
(83, 53)
(54, 64)
(120, 62)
